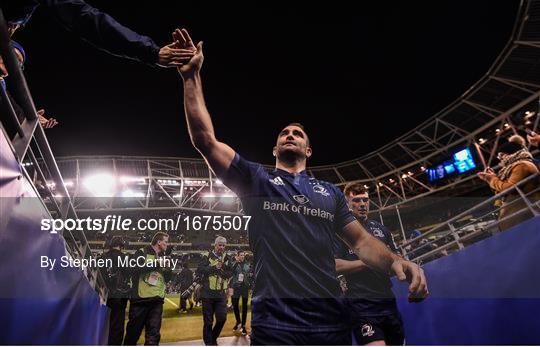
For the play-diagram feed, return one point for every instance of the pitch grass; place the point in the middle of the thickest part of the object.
(177, 326)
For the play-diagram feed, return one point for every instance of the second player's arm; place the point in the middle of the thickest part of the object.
(375, 254)
(349, 266)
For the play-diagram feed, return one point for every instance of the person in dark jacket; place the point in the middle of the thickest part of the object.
(214, 270)
(185, 279)
(240, 283)
(118, 283)
(97, 28)
(147, 296)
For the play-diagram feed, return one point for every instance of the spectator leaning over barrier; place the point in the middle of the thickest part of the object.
(21, 57)
(98, 29)
(516, 165)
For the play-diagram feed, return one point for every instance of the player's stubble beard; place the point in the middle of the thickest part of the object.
(290, 158)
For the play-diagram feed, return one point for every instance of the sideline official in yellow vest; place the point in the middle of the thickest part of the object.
(146, 302)
(215, 271)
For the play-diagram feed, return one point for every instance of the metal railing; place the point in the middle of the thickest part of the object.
(463, 230)
(30, 145)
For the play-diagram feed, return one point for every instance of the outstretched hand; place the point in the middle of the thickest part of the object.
(46, 123)
(183, 41)
(173, 55)
(408, 271)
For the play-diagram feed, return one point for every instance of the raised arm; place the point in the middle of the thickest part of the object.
(375, 254)
(218, 155)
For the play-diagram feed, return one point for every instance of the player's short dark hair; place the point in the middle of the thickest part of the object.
(159, 236)
(354, 189)
(301, 126)
(240, 251)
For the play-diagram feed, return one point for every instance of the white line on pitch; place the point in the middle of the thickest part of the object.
(172, 302)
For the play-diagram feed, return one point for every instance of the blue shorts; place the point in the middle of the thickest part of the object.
(388, 328)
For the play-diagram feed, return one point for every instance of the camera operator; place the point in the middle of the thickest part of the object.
(119, 285)
(146, 302)
(185, 279)
(240, 283)
(214, 270)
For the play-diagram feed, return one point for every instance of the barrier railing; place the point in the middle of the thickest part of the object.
(458, 232)
(30, 145)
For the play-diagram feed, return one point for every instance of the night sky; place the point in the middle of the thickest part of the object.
(357, 78)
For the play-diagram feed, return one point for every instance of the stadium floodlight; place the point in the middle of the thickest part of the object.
(366, 186)
(132, 179)
(404, 176)
(101, 185)
(68, 183)
(128, 193)
(218, 182)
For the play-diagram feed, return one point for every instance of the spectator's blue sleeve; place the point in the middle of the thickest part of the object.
(102, 31)
(241, 175)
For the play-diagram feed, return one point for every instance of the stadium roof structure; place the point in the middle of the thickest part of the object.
(504, 101)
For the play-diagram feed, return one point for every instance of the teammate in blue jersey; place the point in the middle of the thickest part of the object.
(294, 219)
(374, 316)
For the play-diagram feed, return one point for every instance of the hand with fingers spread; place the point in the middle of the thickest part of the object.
(184, 42)
(46, 123)
(408, 271)
(172, 55)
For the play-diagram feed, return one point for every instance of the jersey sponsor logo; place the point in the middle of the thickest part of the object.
(300, 209)
(367, 330)
(377, 232)
(321, 190)
(277, 181)
(301, 199)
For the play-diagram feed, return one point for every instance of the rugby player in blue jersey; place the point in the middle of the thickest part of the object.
(294, 219)
(374, 316)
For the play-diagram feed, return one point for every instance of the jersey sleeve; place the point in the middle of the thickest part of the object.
(389, 239)
(339, 248)
(240, 176)
(343, 215)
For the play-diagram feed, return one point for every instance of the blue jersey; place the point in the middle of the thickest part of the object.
(294, 220)
(369, 292)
